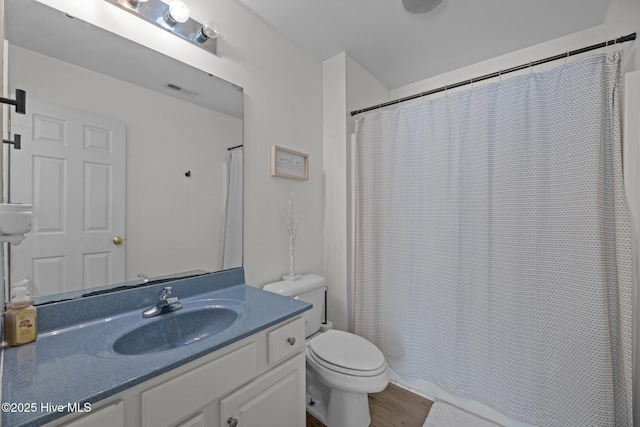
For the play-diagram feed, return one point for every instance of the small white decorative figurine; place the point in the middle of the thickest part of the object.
(290, 213)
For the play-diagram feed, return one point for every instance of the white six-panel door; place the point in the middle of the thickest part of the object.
(72, 169)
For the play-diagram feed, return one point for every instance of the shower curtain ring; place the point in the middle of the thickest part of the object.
(499, 76)
(566, 57)
(471, 83)
(446, 91)
(530, 69)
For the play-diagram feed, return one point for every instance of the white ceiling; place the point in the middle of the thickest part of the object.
(399, 48)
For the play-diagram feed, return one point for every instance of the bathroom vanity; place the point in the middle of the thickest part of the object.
(247, 371)
(233, 386)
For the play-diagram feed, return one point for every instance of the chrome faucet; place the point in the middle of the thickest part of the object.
(166, 304)
(143, 277)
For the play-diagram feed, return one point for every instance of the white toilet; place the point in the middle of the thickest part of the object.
(342, 368)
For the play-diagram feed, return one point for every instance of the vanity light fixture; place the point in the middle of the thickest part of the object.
(173, 17)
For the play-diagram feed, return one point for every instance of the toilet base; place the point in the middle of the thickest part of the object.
(348, 409)
(343, 411)
(335, 408)
(317, 396)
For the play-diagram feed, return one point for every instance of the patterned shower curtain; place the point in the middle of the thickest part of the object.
(493, 252)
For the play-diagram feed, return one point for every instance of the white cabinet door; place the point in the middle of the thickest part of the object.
(184, 396)
(197, 421)
(277, 398)
(109, 416)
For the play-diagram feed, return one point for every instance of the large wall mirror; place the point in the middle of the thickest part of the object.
(127, 157)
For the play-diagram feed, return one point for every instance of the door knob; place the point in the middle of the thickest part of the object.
(117, 240)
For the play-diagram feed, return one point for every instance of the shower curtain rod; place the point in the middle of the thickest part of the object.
(233, 148)
(567, 54)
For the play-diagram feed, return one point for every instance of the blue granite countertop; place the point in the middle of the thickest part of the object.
(72, 360)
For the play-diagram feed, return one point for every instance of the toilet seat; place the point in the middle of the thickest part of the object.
(347, 353)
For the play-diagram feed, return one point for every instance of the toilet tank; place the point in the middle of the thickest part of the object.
(310, 288)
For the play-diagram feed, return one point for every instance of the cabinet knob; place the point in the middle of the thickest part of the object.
(233, 422)
(291, 340)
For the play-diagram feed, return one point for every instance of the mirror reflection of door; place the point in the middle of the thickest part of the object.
(72, 169)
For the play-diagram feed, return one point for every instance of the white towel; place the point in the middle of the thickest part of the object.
(444, 415)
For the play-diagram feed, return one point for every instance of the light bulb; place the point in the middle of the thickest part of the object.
(178, 13)
(207, 32)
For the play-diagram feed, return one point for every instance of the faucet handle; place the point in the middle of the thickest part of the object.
(165, 293)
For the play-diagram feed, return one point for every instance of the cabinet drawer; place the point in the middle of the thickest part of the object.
(285, 340)
(175, 399)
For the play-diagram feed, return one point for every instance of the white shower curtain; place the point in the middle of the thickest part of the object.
(493, 245)
(232, 255)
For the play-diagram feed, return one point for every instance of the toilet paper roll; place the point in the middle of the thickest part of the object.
(327, 326)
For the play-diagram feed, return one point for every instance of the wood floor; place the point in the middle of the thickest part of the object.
(393, 407)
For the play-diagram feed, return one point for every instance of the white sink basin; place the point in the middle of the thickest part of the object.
(15, 218)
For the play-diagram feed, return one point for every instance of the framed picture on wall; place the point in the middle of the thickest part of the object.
(289, 164)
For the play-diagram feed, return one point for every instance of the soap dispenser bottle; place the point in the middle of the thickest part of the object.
(21, 318)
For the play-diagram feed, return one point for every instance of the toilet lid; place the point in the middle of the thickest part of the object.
(346, 350)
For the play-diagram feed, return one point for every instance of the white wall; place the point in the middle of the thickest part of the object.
(347, 85)
(623, 17)
(335, 197)
(283, 106)
(553, 47)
